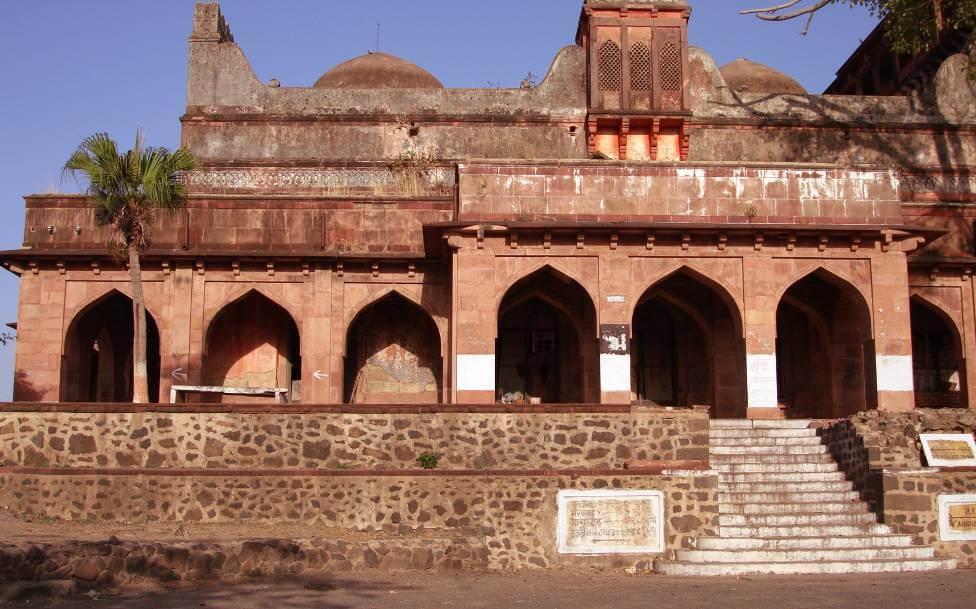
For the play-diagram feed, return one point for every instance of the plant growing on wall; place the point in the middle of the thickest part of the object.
(129, 191)
(428, 460)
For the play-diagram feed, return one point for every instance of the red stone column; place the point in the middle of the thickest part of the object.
(759, 318)
(892, 332)
(613, 316)
(475, 324)
(40, 336)
(968, 335)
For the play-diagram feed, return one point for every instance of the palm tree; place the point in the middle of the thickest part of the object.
(128, 192)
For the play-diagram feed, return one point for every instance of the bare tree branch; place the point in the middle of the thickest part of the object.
(772, 13)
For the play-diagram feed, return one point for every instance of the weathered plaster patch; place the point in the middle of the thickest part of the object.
(895, 373)
(476, 372)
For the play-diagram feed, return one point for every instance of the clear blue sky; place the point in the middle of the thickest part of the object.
(72, 67)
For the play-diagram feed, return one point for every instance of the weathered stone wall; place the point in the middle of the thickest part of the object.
(171, 438)
(515, 515)
(615, 191)
(911, 506)
(881, 453)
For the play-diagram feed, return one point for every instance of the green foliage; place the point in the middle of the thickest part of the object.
(913, 25)
(428, 460)
(129, 189)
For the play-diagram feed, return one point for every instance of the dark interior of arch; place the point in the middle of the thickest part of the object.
(253, 342)
(98, 366)
(393, 355)
(546, 344)
(938, 373)
(824, 350)
(685, 349)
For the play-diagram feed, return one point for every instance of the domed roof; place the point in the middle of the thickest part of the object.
(378, 71)
(744, 76)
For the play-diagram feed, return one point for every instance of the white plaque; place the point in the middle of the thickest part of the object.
(949, 449)
(957, 517)
(610, 522)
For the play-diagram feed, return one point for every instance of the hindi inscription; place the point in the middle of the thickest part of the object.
(949, 450)
(610, 522)
(957, 517)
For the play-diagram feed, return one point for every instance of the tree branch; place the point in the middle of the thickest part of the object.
(772, 13)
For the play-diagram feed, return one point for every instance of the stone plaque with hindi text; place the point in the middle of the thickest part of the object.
(949, 449)
(957, 517)
(610, 522)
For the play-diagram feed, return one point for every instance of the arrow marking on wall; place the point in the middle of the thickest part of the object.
(319, 375)
(179, 375)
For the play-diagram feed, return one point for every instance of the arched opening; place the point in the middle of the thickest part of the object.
(98, 353)
(393, 355)
(824, 349)
(936, 357)
(687, 348)
(253, 342)
(546, 344)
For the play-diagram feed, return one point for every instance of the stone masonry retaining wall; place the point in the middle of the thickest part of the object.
(881, 453)
(513, 515)
(215, 438)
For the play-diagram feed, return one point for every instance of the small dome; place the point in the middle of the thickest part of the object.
(744, 76)
(378, 71)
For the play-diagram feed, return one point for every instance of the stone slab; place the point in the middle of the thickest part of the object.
(949, 450)
(610, 522)
(957, 517)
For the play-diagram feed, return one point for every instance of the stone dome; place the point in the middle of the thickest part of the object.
(744, 76)
(378, 71)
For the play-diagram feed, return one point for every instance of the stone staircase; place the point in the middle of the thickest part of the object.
(785, 508)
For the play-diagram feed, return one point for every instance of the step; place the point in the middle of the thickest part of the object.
(776, 468)
(759, 424)
(750, 509)
(813, 449)
(798, 568)
(804, 555)
(737, 476)
(789, 487)
(802, 519)
(795, 497)
(789, 543)
(772, 459)
(813, 530)
(799, 441)
(762, 433)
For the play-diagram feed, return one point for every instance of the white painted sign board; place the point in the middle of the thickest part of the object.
(957, 517)
(610, 522)
(949, 449)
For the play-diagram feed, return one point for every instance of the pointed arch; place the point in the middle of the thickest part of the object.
(355, 311)
(392, 353)
(824, 346)
(97, 351)
(267, 354)
(687, 345)
(243, 291)
(938, 355)
(549, 266)
(546, 339)
(717, 286)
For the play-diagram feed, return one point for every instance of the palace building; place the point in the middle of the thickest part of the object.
(642, 226)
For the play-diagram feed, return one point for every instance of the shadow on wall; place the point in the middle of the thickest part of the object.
(24, 390)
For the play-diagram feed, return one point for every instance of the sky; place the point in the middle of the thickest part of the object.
(75, 67)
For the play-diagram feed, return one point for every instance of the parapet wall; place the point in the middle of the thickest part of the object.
(465, 439)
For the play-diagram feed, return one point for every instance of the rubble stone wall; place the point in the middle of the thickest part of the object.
(215, 438)
(514, 515)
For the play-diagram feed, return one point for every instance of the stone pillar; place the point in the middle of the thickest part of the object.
(614, 310)
(968, 340)
(40, 336)
(759, 318)
(892, 332)
(476, 325)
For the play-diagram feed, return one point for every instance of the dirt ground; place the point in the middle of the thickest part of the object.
(557, 590)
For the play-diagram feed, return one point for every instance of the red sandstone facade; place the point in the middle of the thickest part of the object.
(632, 229)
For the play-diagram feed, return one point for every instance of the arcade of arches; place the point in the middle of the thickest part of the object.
(686, 348)
(98, 353)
